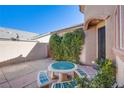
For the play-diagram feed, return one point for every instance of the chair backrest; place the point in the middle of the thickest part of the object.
(67, 84)
(80, 73)
(73, 83)
(43, 78)
(57, 85)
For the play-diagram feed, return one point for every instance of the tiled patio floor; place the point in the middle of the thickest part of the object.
(25, 74)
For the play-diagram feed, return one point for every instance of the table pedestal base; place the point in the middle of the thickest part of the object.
(53, 76)
(62, 77)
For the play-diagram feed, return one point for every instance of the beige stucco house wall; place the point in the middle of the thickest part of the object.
(112, 17)
(88, 53)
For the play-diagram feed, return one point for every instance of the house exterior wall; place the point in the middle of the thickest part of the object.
(98, 11)
(113, 28)
(120, 69)
(110, 38)
(19, 51)
(88, 54)
(119, 49)
(123, 25)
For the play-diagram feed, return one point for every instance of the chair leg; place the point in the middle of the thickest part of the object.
(75, 75)
(46, 86)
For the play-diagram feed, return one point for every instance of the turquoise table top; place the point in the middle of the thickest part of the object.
(63, 65)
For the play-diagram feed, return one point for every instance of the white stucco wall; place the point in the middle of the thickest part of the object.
(44, 39)
(20, 50)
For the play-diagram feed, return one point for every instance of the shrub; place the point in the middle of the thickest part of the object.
(82, 82)
(67, 47)
(105, 77)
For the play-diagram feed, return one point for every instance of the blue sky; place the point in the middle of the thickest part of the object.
(40, 19)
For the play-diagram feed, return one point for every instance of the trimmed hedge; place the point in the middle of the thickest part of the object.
(68, 46)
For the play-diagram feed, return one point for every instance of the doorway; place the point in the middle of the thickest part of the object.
(101, 43)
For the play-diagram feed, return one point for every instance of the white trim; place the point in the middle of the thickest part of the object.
(121, 33)
(50, 68)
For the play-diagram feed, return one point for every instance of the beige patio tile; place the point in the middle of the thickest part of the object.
(15, 71)
(5, 85)
(2, 78)
(32, 85)
(41, 64)
(23, 81)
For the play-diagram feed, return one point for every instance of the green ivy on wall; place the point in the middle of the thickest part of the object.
(67, 47)
(55, 45)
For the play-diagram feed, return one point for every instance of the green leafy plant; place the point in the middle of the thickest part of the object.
(55, 46)
(82, 82)
(106, 75)
(68, 46)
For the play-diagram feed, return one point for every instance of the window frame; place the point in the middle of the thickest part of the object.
(120, 28)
